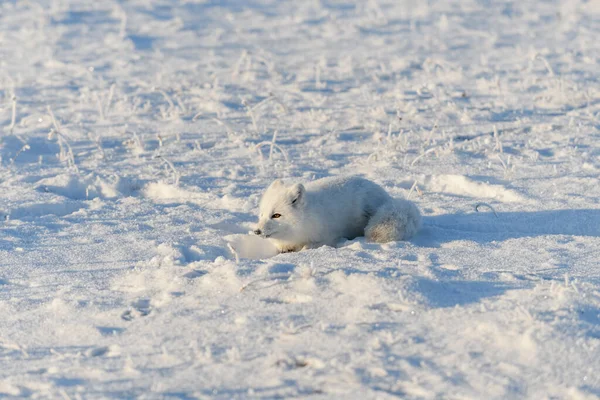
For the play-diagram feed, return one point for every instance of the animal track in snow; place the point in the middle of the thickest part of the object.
(110, 330)
(139, 308)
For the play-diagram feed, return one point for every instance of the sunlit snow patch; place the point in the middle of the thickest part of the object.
(464, 186)
(252, 247)
(166, 193)
(89, 187)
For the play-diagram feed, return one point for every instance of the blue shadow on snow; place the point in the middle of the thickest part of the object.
(486, 227)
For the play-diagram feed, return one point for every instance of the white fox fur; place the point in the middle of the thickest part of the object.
(329, 209)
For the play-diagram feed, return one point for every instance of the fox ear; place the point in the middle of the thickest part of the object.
(296, 194)
(276, 183)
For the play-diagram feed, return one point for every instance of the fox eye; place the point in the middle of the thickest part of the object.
(275, 216)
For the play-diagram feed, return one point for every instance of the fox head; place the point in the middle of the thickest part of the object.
(280, 212)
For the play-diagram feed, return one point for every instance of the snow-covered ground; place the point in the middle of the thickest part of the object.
(136, 138)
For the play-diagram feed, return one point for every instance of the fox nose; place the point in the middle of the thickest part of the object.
(257, 232)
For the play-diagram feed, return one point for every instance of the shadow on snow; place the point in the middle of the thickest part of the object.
(486, 227)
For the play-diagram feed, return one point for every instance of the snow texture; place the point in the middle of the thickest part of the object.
(136, 138)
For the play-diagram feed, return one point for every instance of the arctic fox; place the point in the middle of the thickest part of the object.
(327, 210)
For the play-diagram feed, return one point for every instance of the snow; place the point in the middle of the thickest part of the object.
(136, 138)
